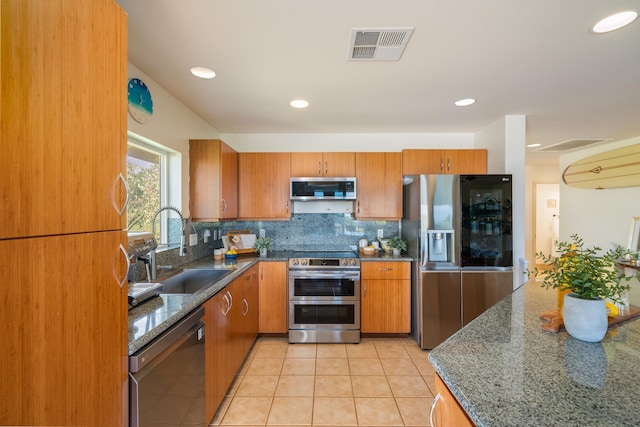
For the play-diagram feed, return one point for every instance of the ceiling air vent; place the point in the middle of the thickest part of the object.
(570, 144)
(382, 44)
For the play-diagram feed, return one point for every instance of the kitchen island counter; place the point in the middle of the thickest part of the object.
(504, 370)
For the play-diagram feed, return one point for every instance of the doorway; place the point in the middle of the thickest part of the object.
(547, 219)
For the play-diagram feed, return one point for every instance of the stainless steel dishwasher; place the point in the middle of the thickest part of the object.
(166, 377)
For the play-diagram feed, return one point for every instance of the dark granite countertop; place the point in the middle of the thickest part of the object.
(506, 371)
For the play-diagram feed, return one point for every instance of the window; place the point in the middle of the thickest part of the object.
(148, 175)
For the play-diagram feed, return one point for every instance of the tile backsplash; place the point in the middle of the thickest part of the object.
(302, 229)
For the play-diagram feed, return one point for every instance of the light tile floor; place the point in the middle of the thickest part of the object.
(379, 382)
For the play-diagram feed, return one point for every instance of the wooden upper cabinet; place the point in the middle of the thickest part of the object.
(322, 164)
(213, 180)
(263, 180)
(63, 107)
(379, 185)
(417, 161)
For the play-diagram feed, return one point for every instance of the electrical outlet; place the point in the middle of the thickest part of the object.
(262, 233)
(193, 239)
(380, 233)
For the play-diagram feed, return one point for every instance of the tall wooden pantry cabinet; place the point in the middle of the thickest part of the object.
(63, 255)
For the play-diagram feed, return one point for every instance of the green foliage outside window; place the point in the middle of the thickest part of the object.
(144, 194)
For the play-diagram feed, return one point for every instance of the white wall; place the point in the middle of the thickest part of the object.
(597, 215)
(172, 125)
(276, 142)
(535, 174)
(505, 140)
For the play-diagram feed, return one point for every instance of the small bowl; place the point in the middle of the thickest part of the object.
(368, 250)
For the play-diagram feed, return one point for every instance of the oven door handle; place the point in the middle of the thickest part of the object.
(314, 274)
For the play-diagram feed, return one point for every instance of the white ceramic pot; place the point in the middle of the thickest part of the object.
(396, 251)
(585, 319)
(263, 252)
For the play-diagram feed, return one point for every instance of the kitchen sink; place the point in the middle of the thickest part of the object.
(191, 281)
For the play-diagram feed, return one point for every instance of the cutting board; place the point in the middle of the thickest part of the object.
(612, 169)
(552, 322)
(243, 240)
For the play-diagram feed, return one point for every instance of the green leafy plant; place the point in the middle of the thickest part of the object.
(263, 243)
(584, 272)
(397, 243)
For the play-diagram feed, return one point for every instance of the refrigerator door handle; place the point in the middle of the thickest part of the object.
(423, 247)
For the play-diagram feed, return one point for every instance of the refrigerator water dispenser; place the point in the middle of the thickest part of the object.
(439, 243)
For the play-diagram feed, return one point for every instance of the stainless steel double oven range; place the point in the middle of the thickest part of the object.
(324, 297)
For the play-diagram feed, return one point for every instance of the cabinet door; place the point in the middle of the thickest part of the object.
(249, 308)
(418, 161)
(264, 185)
(466, 161)
(217, 330)
(64, 337)
(213, 180)
(273, 297)
(322, 164)
(379, 180)
(339, 164)
(447, 410)
(385, 306)
(63, 107)
(306, 164)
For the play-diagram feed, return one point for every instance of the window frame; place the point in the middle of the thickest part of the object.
(145, 144)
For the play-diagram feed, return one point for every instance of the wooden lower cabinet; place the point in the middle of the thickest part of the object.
(447, 411)
(231, 322)
(273, 300)
(385, 297)
(63, 357)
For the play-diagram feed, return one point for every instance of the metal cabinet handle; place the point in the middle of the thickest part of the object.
(230, 299)
(122, 179)
(319, 168)
(433, 407)
(246, 304)
(365, 290)
(385, 269)
(124, 278)
(226, 310)
(442, 164)
(224, 203)
(326, 167)
(287, 207)
(448, 165)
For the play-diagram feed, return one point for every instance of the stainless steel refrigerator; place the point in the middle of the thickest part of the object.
(458, 230)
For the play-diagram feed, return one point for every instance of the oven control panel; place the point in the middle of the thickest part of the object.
(302, 263)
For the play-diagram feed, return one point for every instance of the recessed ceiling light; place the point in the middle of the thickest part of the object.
(533, 145)
(203, 72)
(615, 21)
(299, 103)
(465, 102)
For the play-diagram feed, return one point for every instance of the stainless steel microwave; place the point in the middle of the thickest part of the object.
(328, 188)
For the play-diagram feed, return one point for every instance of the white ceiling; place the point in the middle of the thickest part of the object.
(536, 57)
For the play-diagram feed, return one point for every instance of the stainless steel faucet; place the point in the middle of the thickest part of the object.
(183, 241)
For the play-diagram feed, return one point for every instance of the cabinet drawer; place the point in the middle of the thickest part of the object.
(386, 270)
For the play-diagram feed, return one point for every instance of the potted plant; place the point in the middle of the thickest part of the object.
(397, 245)
(584, 278)
(263, 244)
